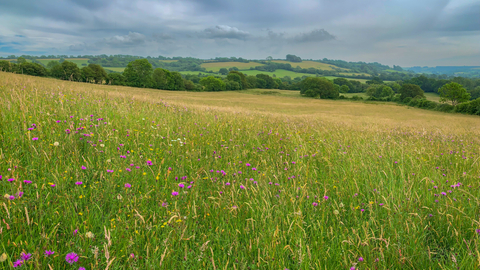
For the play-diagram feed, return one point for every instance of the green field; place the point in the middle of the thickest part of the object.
(198, 72)
(433, 97)
(309, 64)
(231, 180)
(279, 73)
(216, 66)
(116, 69)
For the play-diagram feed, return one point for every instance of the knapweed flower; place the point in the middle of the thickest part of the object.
(78, 183)
(71, 257)
(242, 187)
(360, 259)
(11, 198)
(67, 131)
(174, 193)
(19, 194)
(34, 139)
(84, 168)
(149, 163)
(315, 204)
(227, 184)
(132, 255)
(81, 268)
(49, 253)
(478, 231)
(325, 197)
(11, 179)
(181, 185)
(189, 187)
(27, 181)
(127, 185)
(17, 263)
(75, 232)
(26, 256)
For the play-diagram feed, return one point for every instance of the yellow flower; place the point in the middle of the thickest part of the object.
(80, 214)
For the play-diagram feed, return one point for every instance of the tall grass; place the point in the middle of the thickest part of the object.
(126, 183)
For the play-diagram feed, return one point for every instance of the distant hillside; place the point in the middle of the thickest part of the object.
(467, 71)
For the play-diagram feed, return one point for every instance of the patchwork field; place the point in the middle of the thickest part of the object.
(81, 62)
(231, 180)
(116, 69)
(308, 64)
(216, 66)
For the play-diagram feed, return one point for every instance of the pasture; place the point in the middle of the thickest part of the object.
(216, 66)
(308, 64)
(231, 180)
(81, 62)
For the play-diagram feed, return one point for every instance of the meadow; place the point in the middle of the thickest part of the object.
(114, 177)
(81, 62)
(216, 66)
(308, 64)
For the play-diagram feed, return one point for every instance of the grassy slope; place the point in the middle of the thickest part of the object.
(380, 166)
(308, 64)
(216, 66)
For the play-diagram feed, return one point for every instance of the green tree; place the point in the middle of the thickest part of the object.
(251, 81)
(99, 74)
(211, 83)
(344, 89)
(223, 71)
(243, 79)
(52, 64)
(66, 71)
(21, 60)
(453, 93)
(87, 74)
(33, 69)
(475, 93)
(379, 91)
(162, 79)
(177, 81)
(138, 73)
(318, 87)
(116, 79)
(411, 91)
(269, 81)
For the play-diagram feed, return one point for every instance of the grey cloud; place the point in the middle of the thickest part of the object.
(465, 18)
(225, 31)
(162, 37)
(130, 40)
(314, 36)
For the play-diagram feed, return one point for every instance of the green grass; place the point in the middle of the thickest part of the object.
(216, 66)
(333, 181)
(198, 72)
(309, 64)
(116, 69)
(433, 97)
(78, 61)
(279, 73)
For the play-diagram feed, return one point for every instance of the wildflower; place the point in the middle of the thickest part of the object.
(174, 193)
(56, 144)
(11, 179)
(360, 259)
(363, 210)
(20, 194)
(127, 185)
(26, 257)
(325, 197)
(478, 231)
(189, 187)
(17, 263)
(335, 212)
(11, 198)
(181, 185)
(71, 258)
(164, 204)
(84, 168)
(34, 139)
(254, 169)
(132, 255)
(81, 268)
(149, 163)
(27, 181)
(102, 145)
(227, 184)
(248, 165)
(315, 204)
(242, 187)
(49, 253)
(78, 183)
(89, 235)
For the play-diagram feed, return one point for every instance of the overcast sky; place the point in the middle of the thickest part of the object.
(400, 32)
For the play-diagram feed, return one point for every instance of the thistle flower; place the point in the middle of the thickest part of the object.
(84, 168)
(26, 256)
(127, 185)
(174, 193)
(49, 253)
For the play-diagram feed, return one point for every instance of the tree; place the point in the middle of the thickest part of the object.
(116, 79)
(223, 71)
(212, 84)
(21, 60)
(269, 82)
(293, 58)
(88, 75)
(344, 89)
(52, 64)
(243, 80)
(411, 91)
(66, 71)
(454, 93)
(177, 81)
(99, 74)
(138, 73)
(33, 69)
(379, 91)
(162, 79)
(475, 93)
(269, 58)
(318, 87)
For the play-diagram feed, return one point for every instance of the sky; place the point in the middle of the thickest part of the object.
(393, 32)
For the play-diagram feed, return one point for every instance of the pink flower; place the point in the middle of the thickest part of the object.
(34, 139)
(174, 193)
(84, 168)
(78, 183)
(127, 185)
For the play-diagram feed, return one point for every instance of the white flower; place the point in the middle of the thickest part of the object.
(336, 212)
(109, 160)
(89, 235)
(56, 144)
(102, 145)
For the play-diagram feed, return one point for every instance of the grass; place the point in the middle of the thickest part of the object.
(309, 64)
(432, 97)
(216, 66)
(116, 69)
(198, 72)
(334, 181)
(78, 61)
(167, 61)
(279, 73)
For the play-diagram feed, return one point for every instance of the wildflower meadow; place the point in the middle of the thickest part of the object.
(90, 179)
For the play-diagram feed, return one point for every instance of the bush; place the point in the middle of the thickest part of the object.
(407, 100)
(444, 108)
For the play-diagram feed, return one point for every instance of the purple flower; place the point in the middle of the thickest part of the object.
(75, 232)
(49, 253)
(149, 163)
(71, 258)
(181, 185)
(132, 255)
(27, 181)
(478, 231)
(248, 165)
(11, 179)
(26, 257)
(325, 197)
(78, 183)
(67, 131)
(11, 197)
(174, 193)
(315, 204)
(227, 184)
(242, 187)
(17, 263)
(34, 139)
(81, 268)
(20, 194)
(127, 185)
(189, 187)
(84, 168)
(360, 259)
(363, 210)
(254, 169)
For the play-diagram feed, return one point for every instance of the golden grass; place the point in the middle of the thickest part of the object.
(216, 66)
(354, 114)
